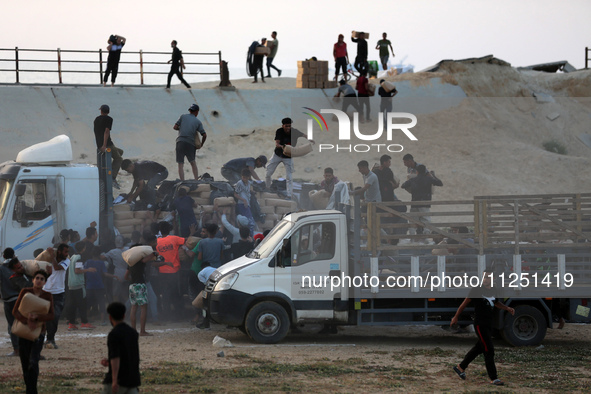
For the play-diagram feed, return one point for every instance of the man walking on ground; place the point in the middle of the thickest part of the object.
(124, 354)
(341, 57)
(188, 126)
(383, 45)
(258, 62)
(116, 43)
(103, 125)
(284, 135)
(484, 301)
(177, 64)
(56, 285)
(146, 176)
(273, 45)
(361, 58)
(232, 170)
(9, 296)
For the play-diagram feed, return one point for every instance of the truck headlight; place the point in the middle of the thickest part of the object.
(226, 282)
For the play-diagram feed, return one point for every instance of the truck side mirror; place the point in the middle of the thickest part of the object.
(20, 189)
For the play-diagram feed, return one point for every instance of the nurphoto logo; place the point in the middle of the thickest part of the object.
(393, 124)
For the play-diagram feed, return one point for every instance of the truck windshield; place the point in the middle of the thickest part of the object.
(274, 238)
(5, 187)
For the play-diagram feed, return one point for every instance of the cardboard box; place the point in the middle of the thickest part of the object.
(355, 34)
(311, 84)
(313, 71)
(262, 51)
(303, 64)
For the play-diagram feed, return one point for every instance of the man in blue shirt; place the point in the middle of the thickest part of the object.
(211, 248)
(188, 126)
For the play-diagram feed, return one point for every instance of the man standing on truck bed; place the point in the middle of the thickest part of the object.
(371, 185)
(187, 141)
(102, 133)
(146, 176)
(420, 189)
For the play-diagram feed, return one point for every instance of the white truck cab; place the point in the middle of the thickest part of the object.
(43, 192)
(265, 289)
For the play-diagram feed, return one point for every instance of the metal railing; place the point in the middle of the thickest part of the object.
(587, 57)
(91, 62)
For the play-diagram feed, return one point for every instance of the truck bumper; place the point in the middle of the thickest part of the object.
(235, 305)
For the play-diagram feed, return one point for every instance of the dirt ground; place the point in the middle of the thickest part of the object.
(408, 358)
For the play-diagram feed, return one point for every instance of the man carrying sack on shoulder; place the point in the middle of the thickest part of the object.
(189, 140)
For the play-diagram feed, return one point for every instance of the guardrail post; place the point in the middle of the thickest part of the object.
(141, 68)
(220, 63)
(16, 63)
(586, 58)
(101, 65)
(59, 64)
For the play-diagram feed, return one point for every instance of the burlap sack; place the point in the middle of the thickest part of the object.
(32, 266)
(302, 148)
(198, 301)
(319, 198)
(47, 255)
(134, 255)
(388, 86)
(224, 201)
(23, 331)
(33, 304)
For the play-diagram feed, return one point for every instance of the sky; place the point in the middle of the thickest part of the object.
(521, 32)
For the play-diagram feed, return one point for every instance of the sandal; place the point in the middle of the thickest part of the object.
(497, 382)
(461, 374)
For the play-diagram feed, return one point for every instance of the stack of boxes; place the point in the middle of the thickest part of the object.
(126, 221)
(314, 75)
(274, 208)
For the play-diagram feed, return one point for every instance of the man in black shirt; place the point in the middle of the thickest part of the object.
(484, 302)
(103, 125)
(284, 135)
(361, 58)
(124, 354)
(143, 171)
(420, 189)
(177, 63)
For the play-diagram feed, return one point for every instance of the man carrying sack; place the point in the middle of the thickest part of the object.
(33, 308)
(189, 140)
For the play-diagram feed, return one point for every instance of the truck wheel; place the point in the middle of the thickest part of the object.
(526, 328)
(267, 322)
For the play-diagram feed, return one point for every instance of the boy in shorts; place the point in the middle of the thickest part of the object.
(138, 292)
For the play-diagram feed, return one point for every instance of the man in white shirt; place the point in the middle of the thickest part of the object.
(56, 285)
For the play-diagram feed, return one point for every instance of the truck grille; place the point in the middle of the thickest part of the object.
(209, 285)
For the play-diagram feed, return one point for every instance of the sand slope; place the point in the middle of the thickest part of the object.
(488, 143)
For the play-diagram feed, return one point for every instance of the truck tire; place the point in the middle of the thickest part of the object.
(267, 322)
(526, 328)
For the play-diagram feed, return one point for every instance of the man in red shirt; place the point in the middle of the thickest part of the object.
(168, 279)
(363, 95)
(341, 57)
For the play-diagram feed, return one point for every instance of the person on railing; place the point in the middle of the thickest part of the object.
(177, 64)
(116, 43)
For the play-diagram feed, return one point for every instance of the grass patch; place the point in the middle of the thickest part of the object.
(554, 147)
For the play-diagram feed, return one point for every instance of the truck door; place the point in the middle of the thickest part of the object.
(34, 215)
(309, 257)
